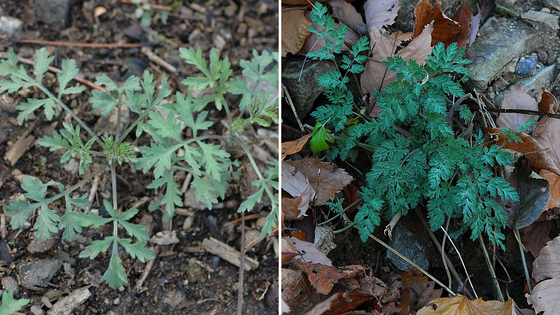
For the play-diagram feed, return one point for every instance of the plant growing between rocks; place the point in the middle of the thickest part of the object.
(164, 120)
(417, 155)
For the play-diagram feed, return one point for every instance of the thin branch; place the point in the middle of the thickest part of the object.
(86, 45)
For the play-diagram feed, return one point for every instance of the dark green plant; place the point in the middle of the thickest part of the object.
(163, 119)
(416, 155)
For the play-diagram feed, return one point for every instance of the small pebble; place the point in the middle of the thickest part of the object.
(525, 66)
(117, 301)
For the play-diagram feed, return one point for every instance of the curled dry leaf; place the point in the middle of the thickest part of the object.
(322, 277)
(554, 182)
(516, 98)
(545, 297)
(533, 195)
(547, 133)
(547, 102)
(445, 28)
(288, 250)
(535, 236)
(380, 13)
(293, 147)
(347, 15)
(533, 150)
(546, 265)
(475, 25)
(290, 210)
(296, 184)
(294, 30)
(460, 304)
(297, 292)
(464, 16)
(325, 180)
(309, 253)
(341, 303)
(416, 291)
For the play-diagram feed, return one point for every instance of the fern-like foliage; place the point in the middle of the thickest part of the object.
(416, 156)
(170, 151)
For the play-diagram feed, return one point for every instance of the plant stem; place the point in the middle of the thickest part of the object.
(69, 111)
(254, 164)
(78, 185)
(491, 269)
(522, 251)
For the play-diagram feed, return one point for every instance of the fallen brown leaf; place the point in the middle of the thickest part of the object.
(294, 30)
(533, 150)
(293, 147)
(380, 13)
(516, 98)
(325, 180)
(463, 306)
(445, 29)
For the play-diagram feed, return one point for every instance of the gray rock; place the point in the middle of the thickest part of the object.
(53, 11)
(10, 24)
(406, 243)
(502, 40)
(173, 298)
(541, 20)
(38, 273)
(301, 82)
(553, 4)
(525, 66)
(515, 8)
(10, 283)
(38, 246)
(542, 78)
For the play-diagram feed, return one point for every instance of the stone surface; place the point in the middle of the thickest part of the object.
(525, 66)
(406, 243)
(542, 78)
(301, 82)
(53, 11)
(10, 283)
(66, 305)
(500, 41)
(541, 20)
(38, 246)
(165, 238)
(515, 8)
(173, 298)
(38, 273)
(10, 24)
(553, 4)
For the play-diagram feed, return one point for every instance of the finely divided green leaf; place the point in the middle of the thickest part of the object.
(157, 155)
(20, 210)
(102, 100)
(115, 275)
(97, 247)
(137, 249)
(42, 62)
(46, 223)
(69, 71)
(9, 304)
